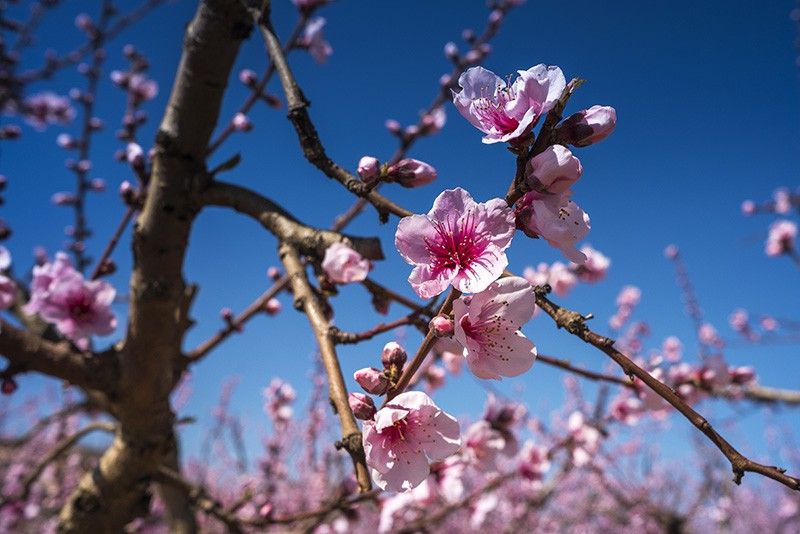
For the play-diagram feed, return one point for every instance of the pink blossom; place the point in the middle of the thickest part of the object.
(407, 435)
(487, 325)
(142, 87)
(781, 238)
(507, 112)
(5, 258)
(626, 409)
(8, 292)
(585, 438)
(708, 335)
(595, 267)
(588, 126)
(561, 279)
(344, 265)
(78, 308)
(314, 40)
(671, 252)
(782, 200)
(459, 242)
(248, 77)
(482, 445)
(451, 352)
(538, 277)
(629, 296)
(410, 173)
(46, 108)
(279, 396)
(534, 461)
(553, 171)
(739, 320)
(560, 221)
(672, 349)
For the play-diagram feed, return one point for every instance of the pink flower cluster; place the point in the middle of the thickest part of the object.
(627, 300)
(78, 308)
(563, 277)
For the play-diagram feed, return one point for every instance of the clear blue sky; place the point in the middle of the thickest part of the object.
(708, 104)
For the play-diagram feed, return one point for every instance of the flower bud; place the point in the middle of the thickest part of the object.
(411, 173)
(66, 141)
(135, 155)
(441, 326)
(273, 306)
(588, 126)
(241, 123)
(63, 199)
(451, 51)
(368, 168)
(393, 126)
(226, 314)
(671, 252)
(393, 354)
(248, 77)
(748, 207)
(553, 171)
(362, 405)
(273, 273)
(372, 380)
(98, 185)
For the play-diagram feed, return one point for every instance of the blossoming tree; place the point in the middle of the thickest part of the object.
(411, 465)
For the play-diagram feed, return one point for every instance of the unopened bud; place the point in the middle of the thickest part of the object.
(411, 173)
(273, 306)
(393, 354)
(588, 126)
(368, 168)
(441, 326)
(372, 380)
(362, 405)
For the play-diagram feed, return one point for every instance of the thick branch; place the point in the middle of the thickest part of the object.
(283, 225)
(28, 352)
(306, 300)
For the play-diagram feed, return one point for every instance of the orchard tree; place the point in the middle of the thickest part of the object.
(388, 456)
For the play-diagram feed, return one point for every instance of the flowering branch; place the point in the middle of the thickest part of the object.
(307, 300)
(575, 324)
(307, 133)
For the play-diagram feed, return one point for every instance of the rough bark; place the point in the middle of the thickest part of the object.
(149, 360)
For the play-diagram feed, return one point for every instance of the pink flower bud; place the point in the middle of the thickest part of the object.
(468, 35)
(368, 168)
(495, 17)
(66, 141)
(273, 306)
(84, 22)
(554, 170)
(411, 173)
(588, 126)
(393, 126)
(393, 354)
(451, 51)
(445, 80)
(273, 273)
(441, 326)
(671, 252)
(63, 199)
(372, 380)
(362, 405)
(126, 190)
(226, 314)
(248, 77)
(241, 123)
(134, 154)
(748, 207)
(119, 77)
(98, 185)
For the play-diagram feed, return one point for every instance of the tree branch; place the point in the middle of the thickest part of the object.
(306, 300)
(283, 225)
(575, 324)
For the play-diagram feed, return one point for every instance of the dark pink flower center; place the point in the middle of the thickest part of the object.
(79, 305)
(492, 110)
(457, 245)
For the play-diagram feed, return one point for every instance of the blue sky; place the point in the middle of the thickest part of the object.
(708, 104)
